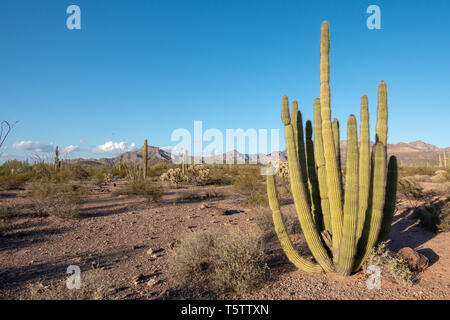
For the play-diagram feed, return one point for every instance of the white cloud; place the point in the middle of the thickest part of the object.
(174, 150)
(34, 146)
(113, 148)
(69, 149)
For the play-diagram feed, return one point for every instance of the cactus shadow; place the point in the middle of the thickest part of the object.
(408, 231)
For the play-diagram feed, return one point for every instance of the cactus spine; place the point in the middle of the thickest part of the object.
(144, 159)
(350, 229)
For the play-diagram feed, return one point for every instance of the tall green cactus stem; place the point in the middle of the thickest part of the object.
(282, 234)
(440, 161)
(185, 160)
(374, 214)
(382, 117)
(445, 159)
(347, 247)
(313, 185)
(300, 197)
(364, 165)
(144, 159)
(391, 195)
(337, 147)
(56, 158)
(297, 124)
(333, 181)
(320, 163)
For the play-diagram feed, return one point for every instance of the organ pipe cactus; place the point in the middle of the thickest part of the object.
(341, 225)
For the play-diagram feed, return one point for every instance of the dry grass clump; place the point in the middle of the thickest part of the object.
(264, 222)
(57, 199)
(393, 267)
(233, 262)
(95, 285)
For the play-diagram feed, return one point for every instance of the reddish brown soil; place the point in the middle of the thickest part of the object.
(115, 233)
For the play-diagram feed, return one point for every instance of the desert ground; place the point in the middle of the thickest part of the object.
(122, 244)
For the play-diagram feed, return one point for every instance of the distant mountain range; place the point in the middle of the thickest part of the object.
(416, 152)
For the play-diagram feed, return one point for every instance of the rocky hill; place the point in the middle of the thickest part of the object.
(416, 152)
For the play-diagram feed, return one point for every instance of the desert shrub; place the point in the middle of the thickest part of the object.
(95, 285)
(238, 261)
(198, 174)
(174, 176)
(102, 176)
(411, 191)
(159, 168)
(193, 195)
(57, 199)
(14, 174)
(231, 262)
(441, 176)
(251, 184)
(416, 170)
(192, 258)
(145, 188)
(393, 267)
(435, 216)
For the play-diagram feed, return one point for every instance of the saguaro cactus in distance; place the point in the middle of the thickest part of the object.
(56, 158)
(144, 159)
(340, 234)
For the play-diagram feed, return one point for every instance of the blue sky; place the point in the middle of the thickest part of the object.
(141, 69)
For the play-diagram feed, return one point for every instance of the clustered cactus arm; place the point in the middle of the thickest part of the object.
(282, 234)
(350, 228)
(300, 197)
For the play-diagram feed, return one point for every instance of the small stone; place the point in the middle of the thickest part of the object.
(152, 282)
(138, 278)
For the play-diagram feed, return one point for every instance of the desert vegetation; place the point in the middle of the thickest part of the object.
(161, 230)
